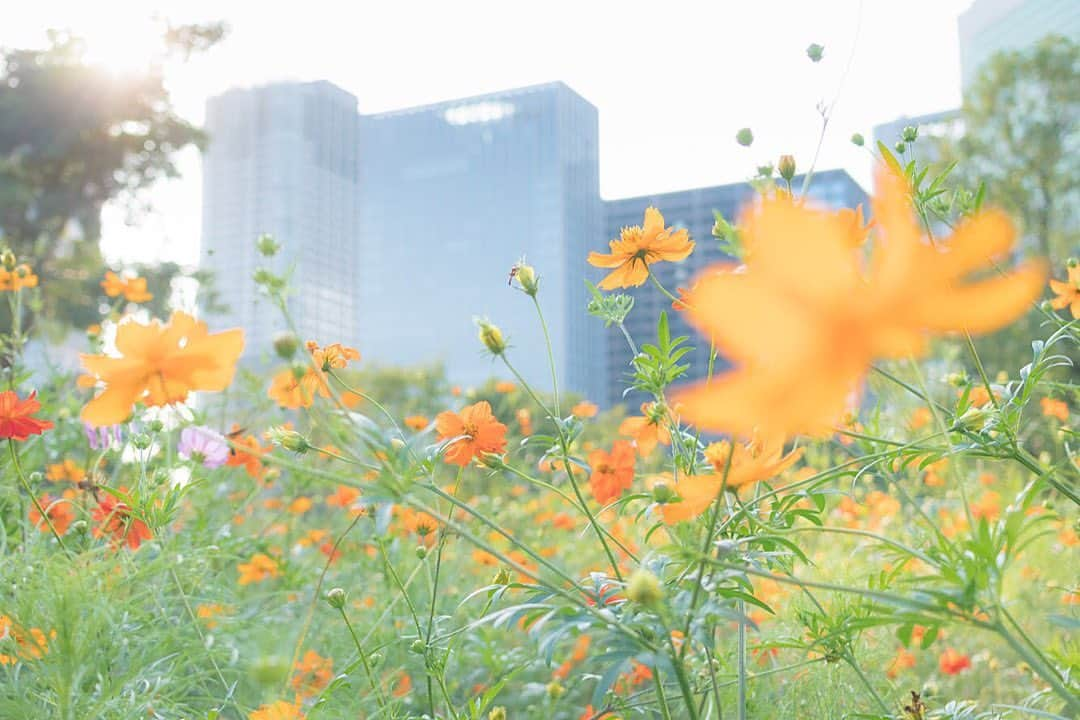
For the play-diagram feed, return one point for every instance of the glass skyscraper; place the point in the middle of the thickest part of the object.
(452, 195)
(693, 210)
(283, 159)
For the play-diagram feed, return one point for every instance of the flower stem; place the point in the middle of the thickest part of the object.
(33, 498)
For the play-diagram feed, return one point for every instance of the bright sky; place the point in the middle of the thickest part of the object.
(673, 81)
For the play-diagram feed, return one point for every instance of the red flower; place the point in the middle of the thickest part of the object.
(115, 518)
(15, 420)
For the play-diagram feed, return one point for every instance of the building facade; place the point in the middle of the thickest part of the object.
(990, 26)
(283, 159)
(693, 210)
(453, 194)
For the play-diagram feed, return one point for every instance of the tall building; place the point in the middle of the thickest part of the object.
(989, 26)
(453, 194)
(693, 210)
(283, 159)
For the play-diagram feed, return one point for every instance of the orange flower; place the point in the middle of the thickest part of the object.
(920, 418)
(988, 506)
(160, 364)
(1068, 292)
(313, 673)
(1055, 408)
(857, 229)
(29, 643)
(637, 248)
(17, 279)
(934, 473)
(16, 422)
(402, 687)
(260, 567)
(300, 505)
(612, 473)
(979, 396)
(332, 357)
(752, 462)
(471, 433)
(280, 710)
(647, 430)
(345, 497)
(296, 387)
(953, 662)
(420, 524)
(59, 512)
(814, 316)
(417, 422)
(584, 409)
(133, 289)
(65, 470)
(524, 418)
(504, 387)
(116, 518)
(904, 660)
(248, 452)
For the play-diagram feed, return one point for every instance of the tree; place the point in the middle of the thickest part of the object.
(1021, 136)
(74, 137)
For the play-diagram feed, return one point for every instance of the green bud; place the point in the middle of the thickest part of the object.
(909, 133)
(421, 552)
(491, 336)
(528, 280)
(786, 167)
(815, 52)
(141, 441)
(418, 646)
(156, 426)
(1071, 263)
(744, 137)
(497, 713)
(555, 690)
(335, 598)
(8, 259)
(644, 588)
(375, 658)
(900, 148)
(502, 577)
(288, 439)
(286, 345)
(662, 493)
(267, 246)
(858, 139)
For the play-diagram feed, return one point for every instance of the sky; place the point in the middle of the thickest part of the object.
(673, 81)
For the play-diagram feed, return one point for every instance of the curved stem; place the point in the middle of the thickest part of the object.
(33, 498)
(550, 354)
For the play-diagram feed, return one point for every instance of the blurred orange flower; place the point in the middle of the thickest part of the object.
(1055, 408)
(752, 462)
(648, 429)
(16, 416)
(114, 517)
(584, 409)
(1068, 291)
(133, 289)
(65, 470)
(637, 248)
(280, 710)
(813, 316)
(472, 432)
(260, 567)
(160, 364)
(59, 511)
(952, 662)
(296, 387)
(17, 279)
(612, 473)
(416, 422)
(313, 673)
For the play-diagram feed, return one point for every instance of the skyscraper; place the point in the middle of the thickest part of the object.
(693, 210)
(283, 159)
(989, 26)
(453, 194)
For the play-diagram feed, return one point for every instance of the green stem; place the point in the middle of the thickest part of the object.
(33, 498)
(550, 354)
(379, 697)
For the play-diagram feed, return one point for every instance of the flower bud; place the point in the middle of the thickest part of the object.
(492, 337)
(786, 167)
(744, 137)
(528, 280)
(335, 598)
(421, 552)
(909, 134)
(141, 441)
(8, 259)
(644, 588)
(662, 492)
(858, 139)
(502, 577)
(555, 690)
(397, 443)
(417, 647)
(267, 246)
(285, 345)
(498, 713)
(815, 52)
(375, 658)
(1071, 263)
(900, 147)
(288, 439)
(156, 426)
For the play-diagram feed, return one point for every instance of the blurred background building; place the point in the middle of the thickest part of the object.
(693, 210)
(284, 159)
(989, 26)
(453, 194)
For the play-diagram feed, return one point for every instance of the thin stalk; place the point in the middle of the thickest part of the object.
(375, 687)
(550, 354)
(33, 498)
(741, 656)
